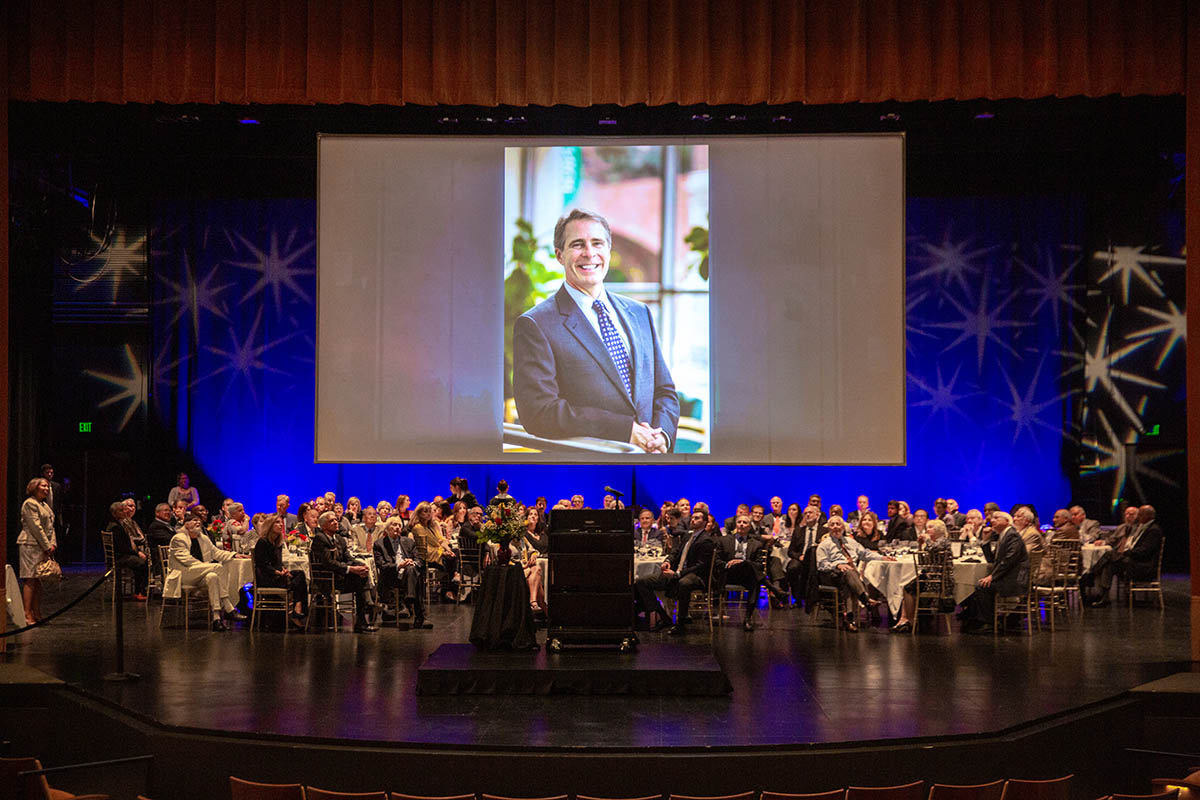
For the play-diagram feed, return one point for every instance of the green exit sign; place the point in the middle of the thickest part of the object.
(85, 427)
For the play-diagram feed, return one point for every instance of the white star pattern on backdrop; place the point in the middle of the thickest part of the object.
(1053, 288)
(950, 262)
(1024, 411)
(1124, 461)
(124, 257)
(131, 387)
(244, 359)
(190, 296)
(278, 270)
(1097, 365)
(1129, 263)
(942, 398)
(1173, 324)
(981, 324)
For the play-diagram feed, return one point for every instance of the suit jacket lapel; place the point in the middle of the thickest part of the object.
(575, 322)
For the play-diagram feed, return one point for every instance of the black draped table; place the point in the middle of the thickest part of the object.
(503, 619)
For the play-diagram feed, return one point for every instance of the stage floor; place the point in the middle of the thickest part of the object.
(796, 680)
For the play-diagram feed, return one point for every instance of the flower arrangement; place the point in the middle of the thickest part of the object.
(216, 530)
(296, 540)
(502, 521)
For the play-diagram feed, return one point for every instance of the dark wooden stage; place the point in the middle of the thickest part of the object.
(799, 686)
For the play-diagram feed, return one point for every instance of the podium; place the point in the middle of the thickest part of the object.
(591, 578)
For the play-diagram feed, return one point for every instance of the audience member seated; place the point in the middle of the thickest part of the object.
(972, 528)
(238, 530)
(400, 566)
(868, 533)
(129, 546)
(1009, 576)
(801, 568)
(195, 561)
(685, 571)
(773, 522)
(1117, 535)
(920, 519)
(1089, 529)
(737, 562)
(1135, 559)
(183, 490)
(743, 508)
(1064, 528)
(899, 527)
(160, 532)
(269, 571)
(502, 495)
(328, 551)
(838, 560)
(864, 505)
(528, 548)
(952, 517)
(1035, 542)
(435, 552)
(366, 533)
(934, 540)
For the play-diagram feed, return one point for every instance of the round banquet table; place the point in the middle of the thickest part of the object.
(1091, 554)
(890, 578)
(966, 575)
(503, 619)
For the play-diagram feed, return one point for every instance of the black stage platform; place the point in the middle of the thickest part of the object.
(669, 668)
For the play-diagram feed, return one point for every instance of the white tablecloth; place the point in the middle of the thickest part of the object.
(890, 578)
(966, 575)
(239, 572)
(293, 561)
(14, 602)
(1091, 554)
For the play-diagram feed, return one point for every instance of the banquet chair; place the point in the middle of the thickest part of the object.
(483, 796)
(739, 796)
(836, 794)
(978, 791)
(250, 790)
(1153, 587)
(743, 592)
(1065, 555)
(14, 784)
(1053, 789)
(703, 600)
(1169, 794)
(593, 797)
(398, 796)
(189, 597)
(1022, 605)
(268, 598)
(1188, 788)
(313, 793)
(905, 791)
(935, 586)
(324, 595)
(469, 556)
(125, 587)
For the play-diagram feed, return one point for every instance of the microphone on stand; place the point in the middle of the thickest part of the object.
(614, 492)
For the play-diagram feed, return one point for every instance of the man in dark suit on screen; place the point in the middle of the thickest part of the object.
(587, 362)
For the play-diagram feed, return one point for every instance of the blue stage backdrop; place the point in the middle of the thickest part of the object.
(1033, 357)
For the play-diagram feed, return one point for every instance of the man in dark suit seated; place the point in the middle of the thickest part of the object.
(160, 532)
(1009, 576)
(737, 561)
(328, 551)
(801, 568)
(587, 362)
(400, 567)
(1136, 558)
(685, 571)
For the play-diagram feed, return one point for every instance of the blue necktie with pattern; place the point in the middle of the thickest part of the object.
(613, 344)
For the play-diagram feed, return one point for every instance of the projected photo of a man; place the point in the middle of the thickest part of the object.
(588, 362)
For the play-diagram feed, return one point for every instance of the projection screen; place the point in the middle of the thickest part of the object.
(751, 300)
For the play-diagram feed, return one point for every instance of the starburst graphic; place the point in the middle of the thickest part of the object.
(131, 387)
(1024, 413)
(190, 296)
(1123, 458)
(1173, 324)
(123, 257)
(910, 329)
(950, 262)
(1052, 286)
(1098, 370)
(1129, 263)
(942, 398)
(277, 270)
(164, 370)
(244, 359)
(981, 324)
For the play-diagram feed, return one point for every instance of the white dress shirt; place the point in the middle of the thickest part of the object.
(584, 301)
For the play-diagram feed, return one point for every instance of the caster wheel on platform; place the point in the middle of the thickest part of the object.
(555, 646)
(627, 645)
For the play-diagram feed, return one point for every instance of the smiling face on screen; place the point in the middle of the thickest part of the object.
(584, 255)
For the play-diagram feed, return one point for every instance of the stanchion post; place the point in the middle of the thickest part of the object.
(119, 624)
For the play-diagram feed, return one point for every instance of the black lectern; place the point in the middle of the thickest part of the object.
(591, 578)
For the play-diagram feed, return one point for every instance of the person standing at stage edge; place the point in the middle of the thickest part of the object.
(587, 362)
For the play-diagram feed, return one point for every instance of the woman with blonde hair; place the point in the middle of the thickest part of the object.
(37, 544)
(434, 551)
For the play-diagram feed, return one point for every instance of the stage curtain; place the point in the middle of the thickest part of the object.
(586, 52)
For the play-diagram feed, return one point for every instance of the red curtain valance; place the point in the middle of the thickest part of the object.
(584, 52)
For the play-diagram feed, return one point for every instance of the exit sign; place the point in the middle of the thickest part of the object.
(85, 427)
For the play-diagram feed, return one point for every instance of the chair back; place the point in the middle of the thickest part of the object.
(502, 797)
(106, 538)
(905, 791)
(592, 797)
(250, 790)
(740, 796)
(1053, 789)
(1169, 794)
(398, 796)
(313, 793)
(836, 794)
(1068, 558)
(978, 791)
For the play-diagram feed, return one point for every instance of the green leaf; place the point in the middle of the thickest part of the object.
(704, 268)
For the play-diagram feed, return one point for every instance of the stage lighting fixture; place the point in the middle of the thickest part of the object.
(514, 120)
(490, 120)
(736, 118)
(701, 118)
(985, 115)
(889, 117)
(606, 121)
(447, 120)
(248, 121)
(781, 118)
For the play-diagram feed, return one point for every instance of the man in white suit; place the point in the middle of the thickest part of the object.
(195, 561)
